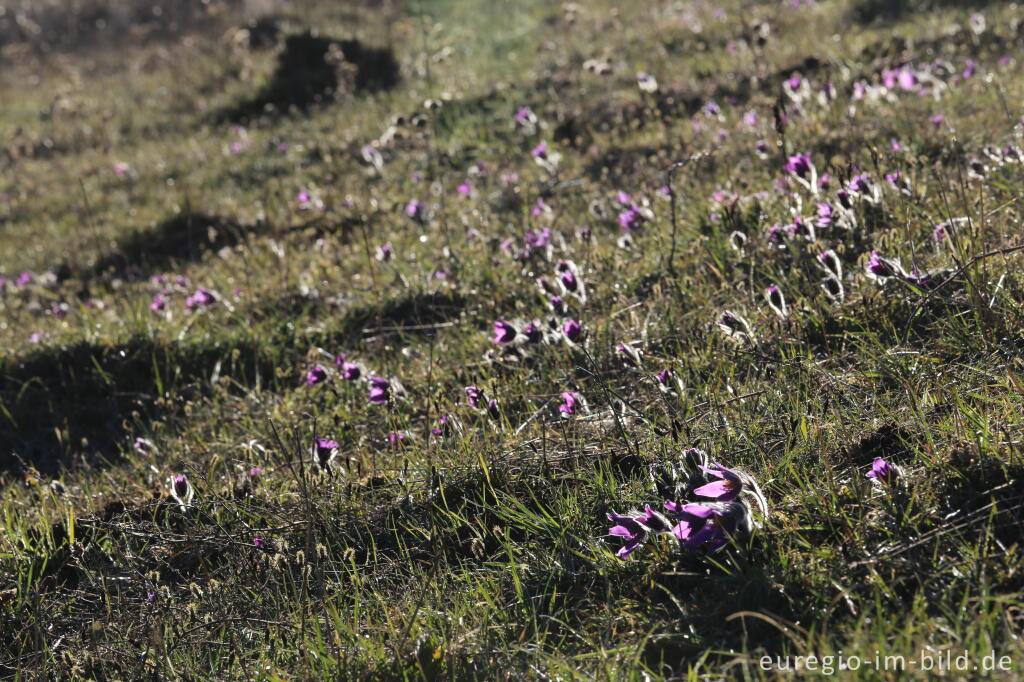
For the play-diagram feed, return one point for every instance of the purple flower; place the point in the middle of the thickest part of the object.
(883, 268)
(734, 325)
(937, 120)
(324, 452)
(256, 471)
(350, 371)
(906, 79)
(844, 199)
(532, 333)
(719, 525)
(442, 427)
(203, 297)
(630, 356)
(24, 279)
(776, 301)
(663, 376)
(727, 488)
(540, 151)
(571, 402)
(475, 396)
(257, 542)
(524, 115)
(883, 472)
(385, 252)
(568, 278)
(539, 239)
(691, 518)
(380, 390)
(181, 490)
(626, 527)
(799, 165)
(465, 189)
(158, 304)
(653, 521)
(572, 330)
(801, 228)
(316, 375)
(632, 219)
(830, 261)
(833, 289)
(416, 210)
(861, 184)
(504, 333)
(396, 439)
(492, 408)
(557, 305)
(826, 215)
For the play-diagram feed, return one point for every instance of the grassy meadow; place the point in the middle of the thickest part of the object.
(755, 265)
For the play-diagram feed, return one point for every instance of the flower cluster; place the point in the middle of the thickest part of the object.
(705, 525)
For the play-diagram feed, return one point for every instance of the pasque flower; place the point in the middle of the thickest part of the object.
(316, 375)
(632, 219)
(572, 330)
(416, 210)
(727, 488)
(833, 289)
(882, 268)
(776, 301)
(734, 326)
(380, 390)
(504, 333)
(628, 528)
(799, 165)
(201, 298)
(181, 490)
(883, 472)
(532, 333)
(830, 262)
(396, 439)
(720, 523)
(474, 397)
(324, 453)
(350, 371)
(571, 401)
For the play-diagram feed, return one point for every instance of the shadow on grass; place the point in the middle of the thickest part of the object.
(76, 404)
(419, 313)
(871, 11)
(186, 236)
(311, 69)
